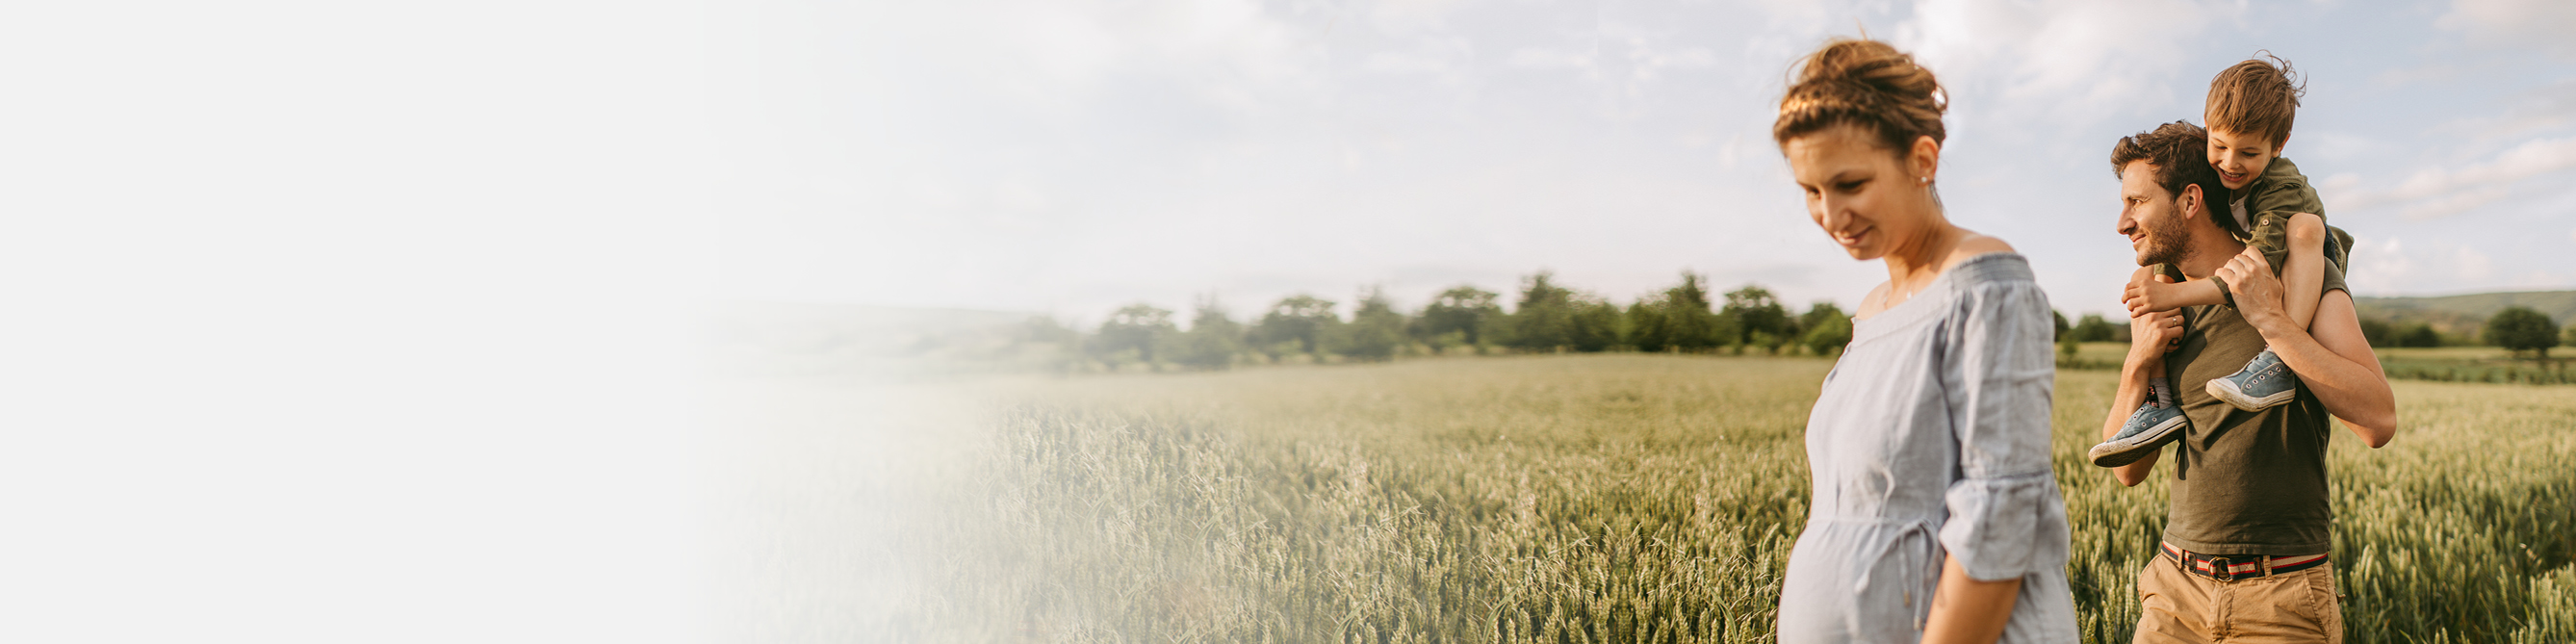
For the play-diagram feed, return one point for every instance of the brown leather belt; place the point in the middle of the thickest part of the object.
(2234, 567)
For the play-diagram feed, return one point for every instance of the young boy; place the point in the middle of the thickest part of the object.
(2272, 208)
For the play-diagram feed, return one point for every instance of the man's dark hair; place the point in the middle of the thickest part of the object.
(2180, 153)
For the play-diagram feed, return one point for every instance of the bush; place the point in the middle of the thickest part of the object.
(1212, 341)
(1828, 334)
(1375, 330)
(1138, 328)
(1595, 325)
(2419, 335)
(2379, 332)
(2094, 329)
(2521, 329)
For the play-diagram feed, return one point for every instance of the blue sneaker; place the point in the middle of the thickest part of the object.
(2147, 430)
(2265, 381)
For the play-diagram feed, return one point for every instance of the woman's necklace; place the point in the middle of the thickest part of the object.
(1896, 291)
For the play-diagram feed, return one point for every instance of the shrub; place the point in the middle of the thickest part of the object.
(2521, 329)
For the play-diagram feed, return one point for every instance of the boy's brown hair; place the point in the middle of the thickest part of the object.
(2256, 97)
(2178, 150)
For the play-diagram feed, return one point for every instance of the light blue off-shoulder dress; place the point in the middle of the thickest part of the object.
(1930, 440)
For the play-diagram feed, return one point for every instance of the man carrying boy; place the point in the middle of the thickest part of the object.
(2273, 208)
(2246, 538)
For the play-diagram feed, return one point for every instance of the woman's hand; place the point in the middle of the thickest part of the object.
(1968, 610)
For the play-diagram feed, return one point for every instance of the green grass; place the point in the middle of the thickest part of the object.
(1592, 498)
(2473, 364)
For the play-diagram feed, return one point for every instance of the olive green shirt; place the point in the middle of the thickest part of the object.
(2245, 483)
(2261, 217)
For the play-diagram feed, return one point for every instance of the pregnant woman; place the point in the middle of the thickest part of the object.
(1935, 516)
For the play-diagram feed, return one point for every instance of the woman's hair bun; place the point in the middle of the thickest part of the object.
(1865, 83)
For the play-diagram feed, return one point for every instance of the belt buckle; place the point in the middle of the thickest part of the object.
(2219, 569)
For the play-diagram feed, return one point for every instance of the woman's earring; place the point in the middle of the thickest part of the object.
(1925, 181)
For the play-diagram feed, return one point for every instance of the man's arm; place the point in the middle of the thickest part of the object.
(2148, 338)
(2330, 355)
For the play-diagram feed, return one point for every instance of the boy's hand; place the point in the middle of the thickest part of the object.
(2160, 329)
(2148, 293)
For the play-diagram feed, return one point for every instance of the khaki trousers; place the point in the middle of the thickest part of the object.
(2184, 608)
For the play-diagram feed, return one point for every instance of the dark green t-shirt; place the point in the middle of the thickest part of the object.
(2245, 483)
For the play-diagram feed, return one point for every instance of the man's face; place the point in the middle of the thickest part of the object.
(2151, 217)
(2240, 157)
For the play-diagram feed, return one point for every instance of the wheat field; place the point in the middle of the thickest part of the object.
(1592, 498)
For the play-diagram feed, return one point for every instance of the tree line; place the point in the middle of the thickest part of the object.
(2520, 329)
(1544, 316)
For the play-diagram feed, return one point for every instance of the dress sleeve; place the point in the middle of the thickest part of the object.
(2006, 517)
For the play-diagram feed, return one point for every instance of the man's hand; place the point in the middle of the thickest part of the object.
(2258, 292)
(2157, 333)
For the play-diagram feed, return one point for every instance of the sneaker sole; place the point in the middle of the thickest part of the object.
(2116, 453)
(2226, 390)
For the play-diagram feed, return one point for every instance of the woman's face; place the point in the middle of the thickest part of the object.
(1862, 194)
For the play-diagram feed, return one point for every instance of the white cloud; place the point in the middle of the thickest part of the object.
(2111, 58)
(1405, 62)
(1409, 16)
(2473, 266)
(2439, 192)
(2544, 24)
(2387, 267)
(2454, 203)
(1550, 58)
(2332, 189)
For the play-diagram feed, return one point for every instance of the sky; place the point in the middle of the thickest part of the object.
(1068, 157)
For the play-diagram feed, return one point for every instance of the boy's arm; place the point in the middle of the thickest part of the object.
(2332, 358)
(2148, 294)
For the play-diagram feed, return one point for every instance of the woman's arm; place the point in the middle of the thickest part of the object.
(2006, 519)
(1966, 610)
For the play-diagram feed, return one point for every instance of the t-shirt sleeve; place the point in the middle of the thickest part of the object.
(2284, 192)
(2006, 516)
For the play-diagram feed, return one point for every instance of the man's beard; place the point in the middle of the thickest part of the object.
(2164, 246)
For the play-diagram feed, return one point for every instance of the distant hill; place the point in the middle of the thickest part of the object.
(2464, 314)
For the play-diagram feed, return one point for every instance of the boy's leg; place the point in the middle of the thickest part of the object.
(2303, 273)
(2157, 421)
(2296, 250)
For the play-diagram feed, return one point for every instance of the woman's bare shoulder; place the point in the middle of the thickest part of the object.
(1972, 245)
